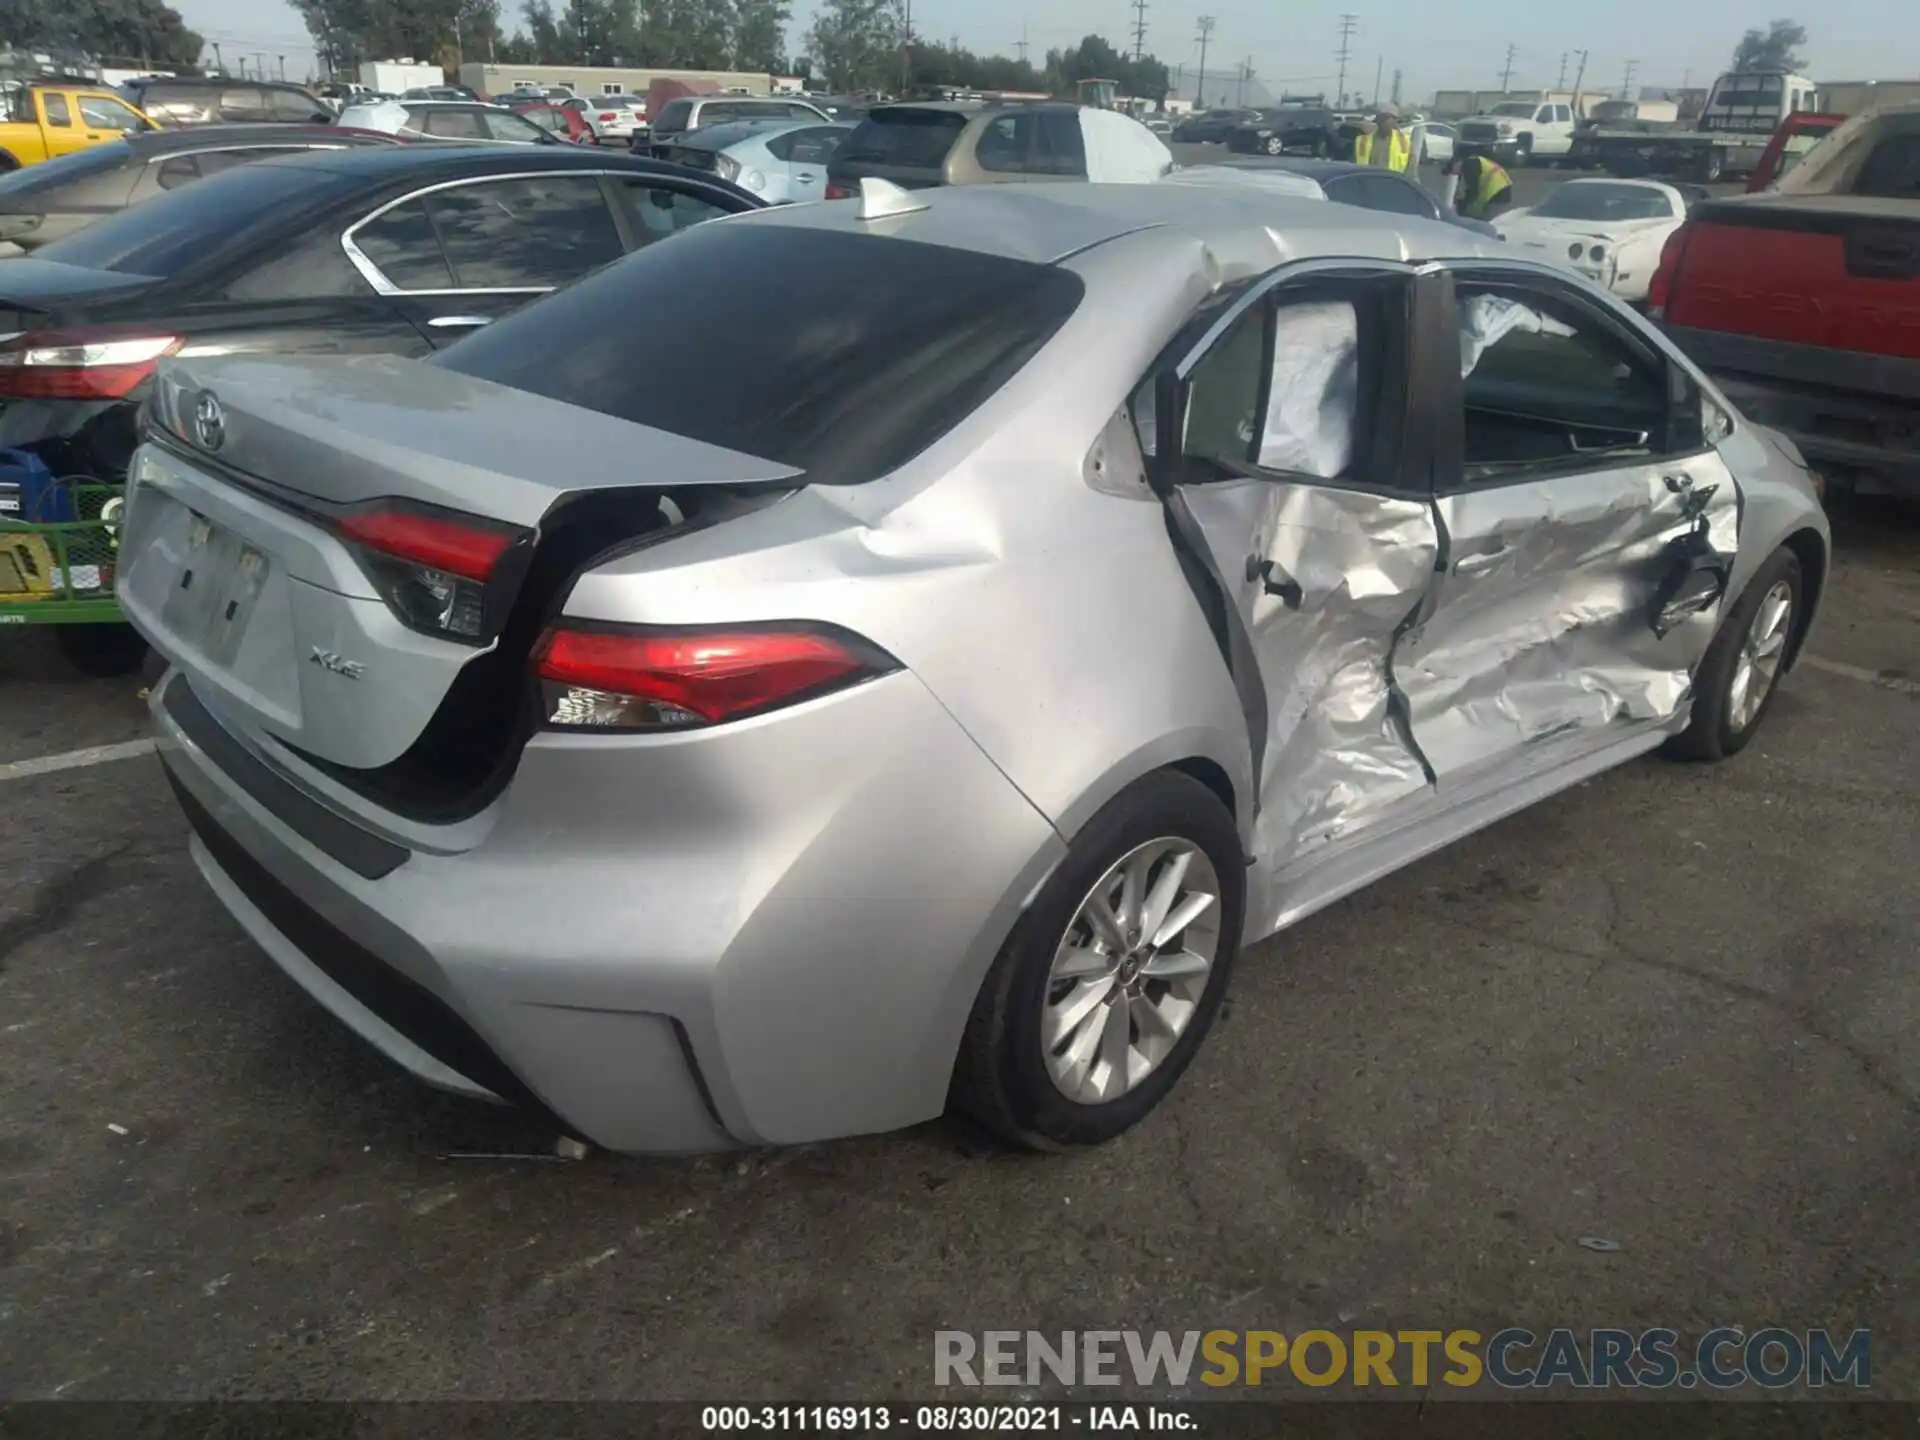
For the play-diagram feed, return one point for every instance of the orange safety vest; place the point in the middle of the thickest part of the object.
(1396, 155)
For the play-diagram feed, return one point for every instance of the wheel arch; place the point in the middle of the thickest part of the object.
(1219, 761)
(8, 161)
(1809, 547)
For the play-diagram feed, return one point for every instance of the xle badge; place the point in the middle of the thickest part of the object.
(337, 663)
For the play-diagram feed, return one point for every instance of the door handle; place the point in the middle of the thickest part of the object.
(805, 179)
(453, 322)
(1486, 560)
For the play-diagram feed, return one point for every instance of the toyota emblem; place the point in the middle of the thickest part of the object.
(209, 421)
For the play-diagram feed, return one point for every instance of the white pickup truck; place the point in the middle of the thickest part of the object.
(1520, 132)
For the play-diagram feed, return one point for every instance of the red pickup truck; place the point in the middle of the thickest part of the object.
(1804, 302)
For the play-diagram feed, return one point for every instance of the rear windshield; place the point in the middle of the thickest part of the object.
(916, 138)
(215, 216)
(63, 171)
(888, 345)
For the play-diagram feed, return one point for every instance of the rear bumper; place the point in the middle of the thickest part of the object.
(1850, 428)
(686, 943)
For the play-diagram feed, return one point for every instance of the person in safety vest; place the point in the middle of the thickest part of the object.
(1485, 188)
(1384, 143)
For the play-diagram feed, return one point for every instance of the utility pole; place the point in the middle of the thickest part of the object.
(1022, 46)
(1139, 28)
(1396, 89)
(1561, 83)
(906, 46)
(1506, 73)
(1626, 83)
(1578, 76)
(219, 68)
(283, 65)
(1206, 31)
(1343, 54)
(1246, 74)
(1379, 67)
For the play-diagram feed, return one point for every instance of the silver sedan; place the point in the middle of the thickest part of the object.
(912, 681)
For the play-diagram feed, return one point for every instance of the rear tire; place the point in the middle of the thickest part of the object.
(1275, 145)
(101, 650)
(1712, 166)
(1004, 1076)
(1725, 716)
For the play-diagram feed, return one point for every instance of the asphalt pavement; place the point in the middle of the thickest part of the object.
(1671, 1009)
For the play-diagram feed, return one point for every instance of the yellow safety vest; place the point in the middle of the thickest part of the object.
(1490, 181)
(1398, 151)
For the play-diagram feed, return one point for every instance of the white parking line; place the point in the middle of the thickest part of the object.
(74, 759)
(1860, 672)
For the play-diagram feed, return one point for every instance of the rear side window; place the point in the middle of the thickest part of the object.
(888, 345)
(503, 125)
(916, 139)
(518, 234)
(57, 110)
(807, 147)
(451, 124)
(1003, 145)
(291, 105)
(674, 116)
(657, 212)
(403, 247)
(1892, 171)
(1061, 150)
(243, 102)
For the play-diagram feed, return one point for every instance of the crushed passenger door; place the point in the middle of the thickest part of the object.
(1293, 482)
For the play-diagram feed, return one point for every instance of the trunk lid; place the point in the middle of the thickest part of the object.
(237, 569)
(1837, 271)
(36, 293)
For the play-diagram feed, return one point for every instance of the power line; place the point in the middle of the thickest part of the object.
(1207, 23)
(1139, 28)
(1343, 54)
(1506, 73)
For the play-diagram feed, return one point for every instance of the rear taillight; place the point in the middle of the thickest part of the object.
(104, 363)
(837, 191)
(436, 569)
(606, 115)
(642, 678)
(1660, 288)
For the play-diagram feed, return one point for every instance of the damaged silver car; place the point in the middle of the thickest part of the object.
(917, 693)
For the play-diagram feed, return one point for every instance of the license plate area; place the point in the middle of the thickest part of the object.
(214, 597)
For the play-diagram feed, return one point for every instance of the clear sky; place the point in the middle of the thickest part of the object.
(1456, 44)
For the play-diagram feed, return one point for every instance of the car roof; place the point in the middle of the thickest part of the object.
(950, 107)
(210, 82)
(222, 137)
(1046, 223)
(1321, 170)
(379, 162)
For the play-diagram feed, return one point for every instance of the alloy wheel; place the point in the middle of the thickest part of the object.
(1761, 651)
(1130, 972)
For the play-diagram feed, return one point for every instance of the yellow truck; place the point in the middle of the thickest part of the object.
(40, 122)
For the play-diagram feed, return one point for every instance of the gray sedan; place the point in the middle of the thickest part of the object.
(914, 686)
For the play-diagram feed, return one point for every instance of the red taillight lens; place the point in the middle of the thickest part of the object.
(608, 115)
(640, 679)
(1660, 288)
(84, 364)
(431, 566)
(837, 191)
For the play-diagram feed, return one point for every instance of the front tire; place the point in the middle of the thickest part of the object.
(1275, 145)
(1737, 681)
(1109, 982)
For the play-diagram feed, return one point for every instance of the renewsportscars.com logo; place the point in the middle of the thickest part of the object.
(1513, 1359)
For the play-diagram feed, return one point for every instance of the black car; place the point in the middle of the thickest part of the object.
(395, 250)
(48, 202)
(1301, 129)
(1370, 187)
(172, 100)
(1211, 127)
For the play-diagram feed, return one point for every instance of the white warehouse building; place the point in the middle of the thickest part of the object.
(603, 79)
